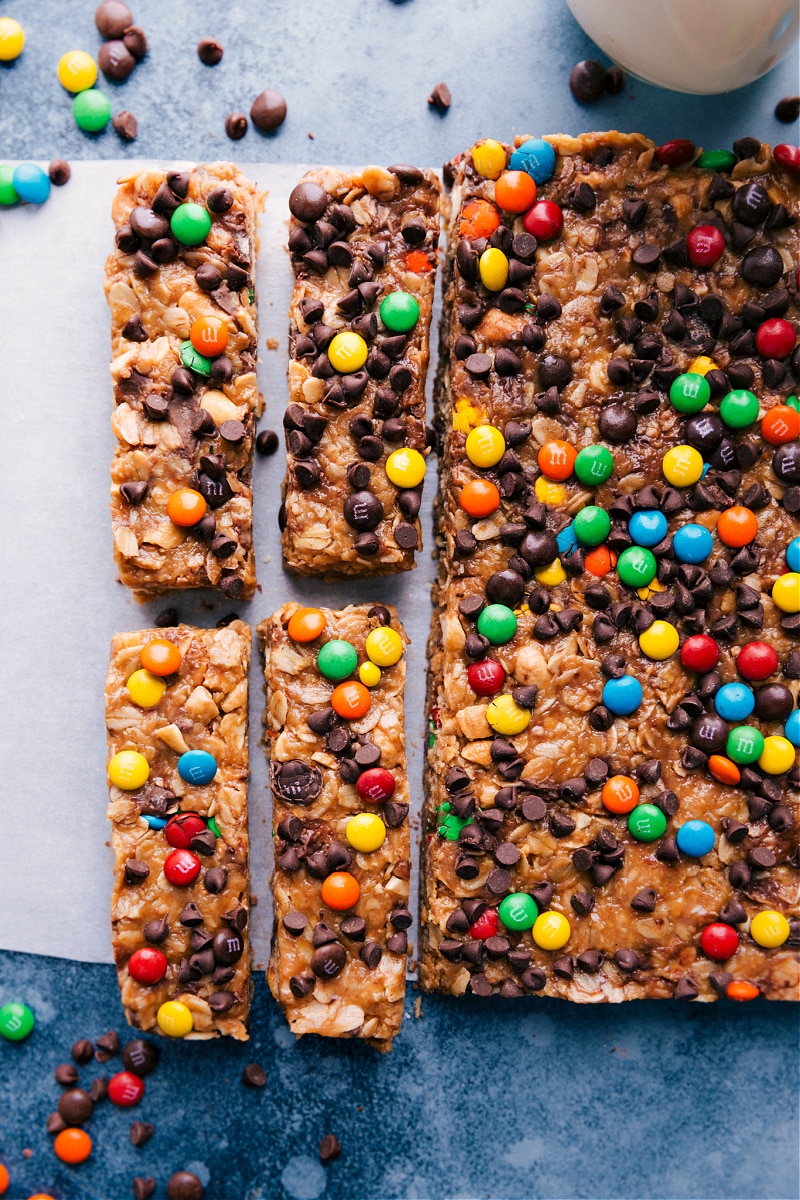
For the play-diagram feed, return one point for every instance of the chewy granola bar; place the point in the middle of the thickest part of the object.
(178, 767)
(184, 337)
(616, 548)
(364, 251)
(340, 819)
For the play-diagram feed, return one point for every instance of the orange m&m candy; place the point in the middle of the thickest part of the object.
(4, 1179)
(186, 507)
(740, 989)
(479, 219)
(306, 624)
(515, 191)
(557, 460)
(737, 526)
(620, 794)
(780, 424)
(600, 561)
(73, 1145)
(479, 498)
(340, 891)
(350, 700)
(209, 335)
(724, 770)
(160, 657)
(418, 262)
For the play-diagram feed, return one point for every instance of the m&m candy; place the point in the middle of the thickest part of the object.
(479, 219)
(91, 110)
(695, 838)
(370, 674)
(692, 543)
(648, 528)
(399, 311)
(557, 459)
(620, 794)
(365, 832)
(723, 770)
(488, 158)
(737, 526)
(518, 911)
(739, 408)
(647, 823)
(734, 701)
(30, 183)
(515, 191)
(544, 220)
(197, 767)
(757, 661)
(700, 653)
(716, 160)
(337, 659)
(485, 926)
(745, 744)
(12, 39)
(340, 891)
(506, 717)
(780, 424)
(479, 498)
(769, 929)
(8, 193)
(145, 689)
(622, 696)
(705, 244)
(182, 828)
(384, 646)
(194, 360)
(350, 700)
(160, 657)
(551, 930)
(497, 623)
(181, 867)
(186, 507)
(719, 941)
(593, 465)
(5, 1178)
(209, 335)
(690, 393)
(485, 446)
(536, 157)
(793, 555)
(592, 525)
(76, 71)
(16, 1021)
(306, 625)
(129, 770)
(775, 338)
(72, 1146)
(493, 269)
(791, 729)
(486, 677)
(637, 566)
(405, 468)
(377, 785)
(147, 965)
(125, 1089)
(175, 1019)
(740, 989)
(660, 641)
(786, 592)
(190, 224)
(682, 466)
(777, 756)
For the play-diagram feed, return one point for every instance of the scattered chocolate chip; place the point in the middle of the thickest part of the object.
(126, 126)
(254, 1076)
(59, 172)
(141, 1132)
(184, 1185)
(788, 109)
(236, 126)
(209, 51)
(67, 1074)
(587, 81)
(268, 112)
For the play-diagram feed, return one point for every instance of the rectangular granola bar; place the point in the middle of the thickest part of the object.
(610, 546)
(178, 808)
(364, 250)
(340, 819)
(180, 281)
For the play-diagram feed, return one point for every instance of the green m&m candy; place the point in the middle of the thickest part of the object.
(518, 911)
(399, 312)
(193, 359)
(591, 525)
(637, 566)
(16, 1022)
(214, 827)
(497, 623)
(646, 823)
(337, 659)
(593, 465)
(716, 160)
(689, 393)
(739, 408)
(449, 826)
(91, 110)
(745, 744)
(8, 193)
(794, 402)
(190, 224)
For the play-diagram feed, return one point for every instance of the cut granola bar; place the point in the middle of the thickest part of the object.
(364, 251)
(184, 335)
(340, 819)
(178, 766)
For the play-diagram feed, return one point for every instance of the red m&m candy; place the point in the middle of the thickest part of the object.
(700, 653)
(486, 925)
(719, 941)
(181, 867)
(757, 660)
(486, 677)
(788, 156)
(147, 965)
(706, 245)
(376, 785)
(125, 1089)
(544, 220)
(775, 338)
(179, 830)
(676, 153)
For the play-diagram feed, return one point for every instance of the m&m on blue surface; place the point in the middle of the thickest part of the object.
(692, 543)
(696, 838)
(734, 701)
(648, 528)
(622, 696)
(197, 767)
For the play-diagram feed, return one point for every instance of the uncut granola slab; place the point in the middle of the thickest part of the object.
(178, 810)
(364, 253)
(180, 284)
(606, 817)
(340, 819)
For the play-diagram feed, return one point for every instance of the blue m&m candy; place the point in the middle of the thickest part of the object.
(692, 543)
(791, 729)
(31, 183)
(535, 156)
(622, 696)
(696, 838)
(155, 822)
(648, 528)
(566, 540)
(793, 554)
(734, 701)
(197, 767)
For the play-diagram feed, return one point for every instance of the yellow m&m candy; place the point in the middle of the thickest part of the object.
(702, 365)
(347, 352)
(384, 646)
(777, 756)
(493, 268)
(12, 39)
(552, 575)
(129, 770)
(506, 717)
(485, 446)
(551, 930)
(682, 466)
(489, 158)
(769, 929)
(786, 592)
(77, 71)
(660, 641)
(405, 468)
(175, 1019)
(369, 674)
(145, 689)
(365, 832)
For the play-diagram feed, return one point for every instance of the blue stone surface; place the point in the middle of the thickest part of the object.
(515, 1099)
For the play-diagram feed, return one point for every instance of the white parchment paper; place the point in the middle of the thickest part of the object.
(61, 602)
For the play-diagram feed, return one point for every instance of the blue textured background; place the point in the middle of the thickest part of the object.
(516, 1099)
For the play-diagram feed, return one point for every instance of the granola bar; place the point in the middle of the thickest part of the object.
(184, 337)
(176, 715)
(364, 251)
(340, 819)
(606, 817)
